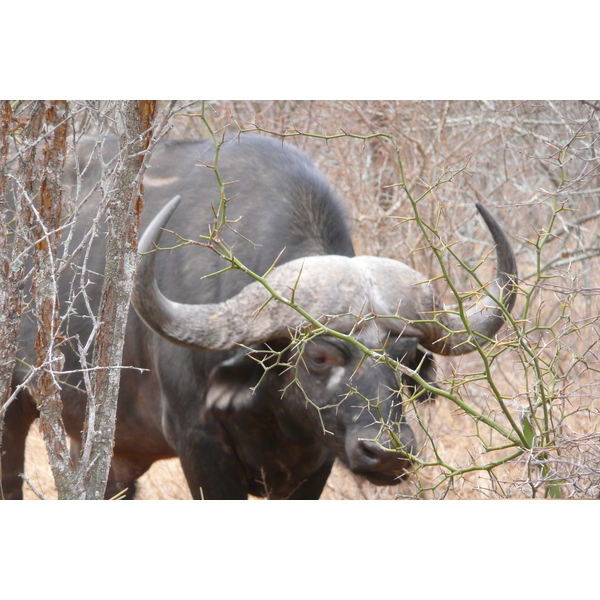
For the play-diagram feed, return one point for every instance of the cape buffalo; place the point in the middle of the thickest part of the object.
(248, 405)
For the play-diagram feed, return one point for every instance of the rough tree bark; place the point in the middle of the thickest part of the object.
(124, 210)
(50, 359)
(12, 270)
(37, 212)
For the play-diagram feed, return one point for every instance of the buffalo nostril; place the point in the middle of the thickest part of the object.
(371, 449)
(378, 464)
(379, 457)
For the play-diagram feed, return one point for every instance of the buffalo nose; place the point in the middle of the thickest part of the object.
(386, 457)
(378, 458)
(380, 465)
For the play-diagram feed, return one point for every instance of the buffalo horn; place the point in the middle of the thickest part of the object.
(358, 287)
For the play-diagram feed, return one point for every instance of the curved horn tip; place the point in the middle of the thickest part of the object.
(507, 263)
(484, 212)
(485, 320)
(151, 235)
(493, 225)
(170, 206)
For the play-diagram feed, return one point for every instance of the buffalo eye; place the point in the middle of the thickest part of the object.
(320, 357)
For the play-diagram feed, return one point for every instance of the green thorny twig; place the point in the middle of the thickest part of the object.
(521, 437)
(536, 433)
(530, 421)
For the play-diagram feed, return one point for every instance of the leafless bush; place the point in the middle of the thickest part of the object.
(34, 263)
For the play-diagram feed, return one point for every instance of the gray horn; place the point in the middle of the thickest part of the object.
(358, 286)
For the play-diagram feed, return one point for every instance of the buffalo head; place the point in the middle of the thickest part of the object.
(326, 382)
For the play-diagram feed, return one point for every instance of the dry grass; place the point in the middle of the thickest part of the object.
(537, 166)
(165, 479)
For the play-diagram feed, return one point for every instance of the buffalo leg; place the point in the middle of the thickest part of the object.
(17, 421)
(311, 488)
(123, 475)
(211, 469)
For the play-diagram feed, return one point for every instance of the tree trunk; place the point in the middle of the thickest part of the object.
(12, 269)
(42, 129)
(124, 210)
(47, 306)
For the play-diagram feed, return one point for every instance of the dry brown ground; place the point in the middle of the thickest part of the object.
(165, 479)
(456, 441)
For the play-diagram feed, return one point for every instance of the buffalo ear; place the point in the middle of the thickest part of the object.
(425, 362)
(230, 383)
